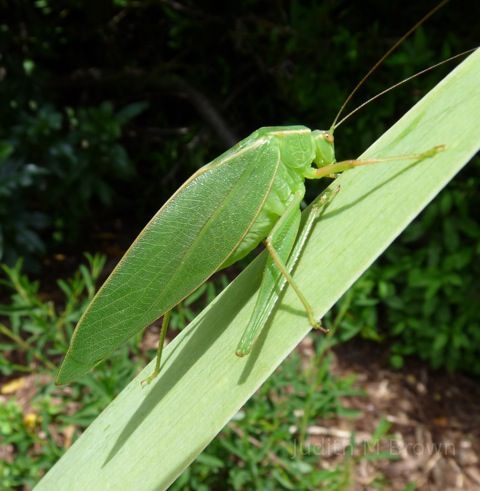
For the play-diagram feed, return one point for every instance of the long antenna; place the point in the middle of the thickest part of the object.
(382, 59)
(363, 104)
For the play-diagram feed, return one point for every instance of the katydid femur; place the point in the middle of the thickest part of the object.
(249, 194)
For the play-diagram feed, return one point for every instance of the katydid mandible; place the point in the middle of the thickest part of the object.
(249, 194)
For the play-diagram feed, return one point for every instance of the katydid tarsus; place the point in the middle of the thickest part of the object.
(249, 194)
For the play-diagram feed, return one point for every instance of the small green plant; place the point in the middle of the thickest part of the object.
(33, 331)
(38, 330)
(18, 438)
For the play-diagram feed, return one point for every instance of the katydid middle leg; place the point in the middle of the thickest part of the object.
(161, 342)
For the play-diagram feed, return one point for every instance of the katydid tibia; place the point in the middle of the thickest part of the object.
(249, 194)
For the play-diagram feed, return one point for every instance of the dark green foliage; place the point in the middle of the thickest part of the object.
(211, 73)
(54, 166)
(19, 226)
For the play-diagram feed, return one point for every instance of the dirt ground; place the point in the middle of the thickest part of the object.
(435, 418)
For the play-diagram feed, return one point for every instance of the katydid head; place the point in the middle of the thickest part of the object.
(324, 147)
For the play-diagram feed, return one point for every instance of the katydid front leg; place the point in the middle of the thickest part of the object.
(282, 238)
(337, 167)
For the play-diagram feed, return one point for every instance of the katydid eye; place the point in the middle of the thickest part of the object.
(328, 137)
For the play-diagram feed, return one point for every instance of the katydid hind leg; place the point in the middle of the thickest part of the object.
(286, 269)
(270, 292)
(161, 342)
(283, 235)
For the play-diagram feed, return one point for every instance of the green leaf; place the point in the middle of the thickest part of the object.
(147, 437)
(380, 431)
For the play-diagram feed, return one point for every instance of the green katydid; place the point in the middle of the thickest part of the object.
(249, 194)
